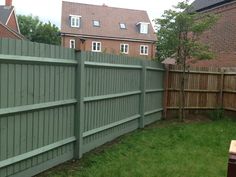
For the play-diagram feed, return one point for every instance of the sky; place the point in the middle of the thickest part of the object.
(50, 10)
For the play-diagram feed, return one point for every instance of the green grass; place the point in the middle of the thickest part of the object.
(166, 149)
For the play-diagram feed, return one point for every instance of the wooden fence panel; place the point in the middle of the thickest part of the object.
(229, 96)
(154, 89)
(206, 88)
(112, 88)
(37, 98)
(113, 94)
(201, 89)
(56, 104)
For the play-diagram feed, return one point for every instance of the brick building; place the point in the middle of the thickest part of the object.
(107, 29)
(9, 27)
(222, 37)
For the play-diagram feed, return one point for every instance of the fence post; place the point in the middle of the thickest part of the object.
(143, 94)
(165, 98)
(221, 87)
(79, 117)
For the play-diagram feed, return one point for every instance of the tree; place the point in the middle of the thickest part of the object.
(28, 25)
(179, 32)
(47, 33)
(36, 31)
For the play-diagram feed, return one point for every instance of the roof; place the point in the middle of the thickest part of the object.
(5, 12)
(200, 5)
(20, 36)
(109, 17)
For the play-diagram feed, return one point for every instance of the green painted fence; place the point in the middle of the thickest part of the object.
(56, 104)
(118, 95)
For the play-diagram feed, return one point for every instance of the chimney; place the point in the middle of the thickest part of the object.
(8, 3)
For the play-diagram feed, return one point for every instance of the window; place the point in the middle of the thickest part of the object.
(72, 43)
(75, 21)
(124, 48)
(122, 26)
(143, 50)
(96, 23)
(96, 46)
(143, 27)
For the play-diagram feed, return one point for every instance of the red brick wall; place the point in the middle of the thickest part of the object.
(112, 46)
(4, 33)
(222, 37)
(12, 23)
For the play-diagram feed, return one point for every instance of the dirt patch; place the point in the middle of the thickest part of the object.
(193, 118)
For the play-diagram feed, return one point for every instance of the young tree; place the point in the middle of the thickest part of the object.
(179, 33)
(36, 31)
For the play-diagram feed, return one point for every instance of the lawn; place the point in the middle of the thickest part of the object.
(165, 149)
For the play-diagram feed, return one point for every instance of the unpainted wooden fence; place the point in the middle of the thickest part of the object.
(205, 89)
(56, 104)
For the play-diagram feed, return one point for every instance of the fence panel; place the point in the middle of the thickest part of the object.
(201, 89)
(205, 89)
(154, 88)
(229, 92)
(37, 98)
(112, 97)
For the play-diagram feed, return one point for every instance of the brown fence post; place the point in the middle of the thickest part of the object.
(232, 160)
(221, 87)
(166, 83)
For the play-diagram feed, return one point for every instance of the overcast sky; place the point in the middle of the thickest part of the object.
(50, 10)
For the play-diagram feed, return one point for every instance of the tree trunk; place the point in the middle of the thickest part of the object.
(183, 90)
(182, 95)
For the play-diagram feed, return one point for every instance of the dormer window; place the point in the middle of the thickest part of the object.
(143, 27)
(75, 21)
(96, 23)
(122, 26)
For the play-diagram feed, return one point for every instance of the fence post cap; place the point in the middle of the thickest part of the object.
(232, 149)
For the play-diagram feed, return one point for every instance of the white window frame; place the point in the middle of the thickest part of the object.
(143, 27)
(125, 47)
(96, 23)
(122, 26)
(144, 49)
(72, 40)
(96, 46)
(75, 21)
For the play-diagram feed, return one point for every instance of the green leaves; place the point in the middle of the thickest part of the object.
(36, 31)
(179, 31)
(28, 25)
